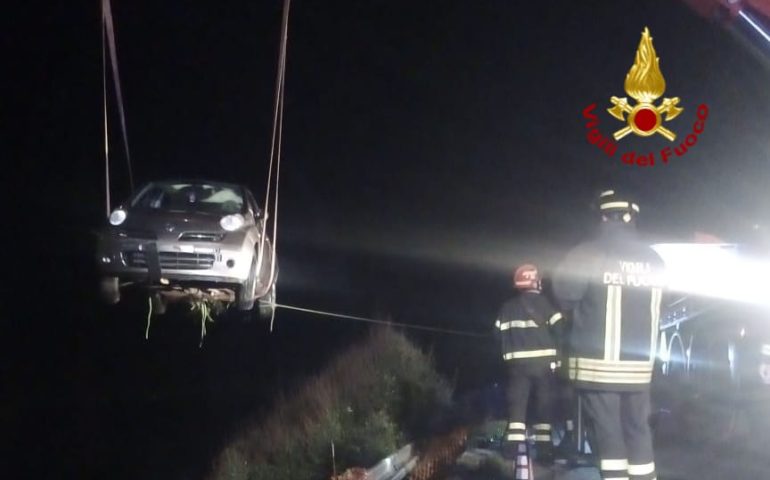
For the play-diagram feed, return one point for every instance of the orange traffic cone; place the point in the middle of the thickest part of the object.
(523, 467)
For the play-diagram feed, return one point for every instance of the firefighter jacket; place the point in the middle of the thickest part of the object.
(523, 325)
(613, 285)
(764, 364)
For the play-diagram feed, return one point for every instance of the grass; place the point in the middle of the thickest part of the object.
(369, 401)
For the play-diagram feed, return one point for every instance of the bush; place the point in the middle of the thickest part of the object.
(370, 400)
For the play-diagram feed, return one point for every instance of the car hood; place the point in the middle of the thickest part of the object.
(168, 225)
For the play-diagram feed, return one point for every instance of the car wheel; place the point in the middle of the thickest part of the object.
(158, 304)
(267, 304)
(109, 290)
(246, 297)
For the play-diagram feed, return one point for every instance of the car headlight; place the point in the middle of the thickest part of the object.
(118, 216)
(232, 222)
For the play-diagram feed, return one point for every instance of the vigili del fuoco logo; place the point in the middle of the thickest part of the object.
(646, 117)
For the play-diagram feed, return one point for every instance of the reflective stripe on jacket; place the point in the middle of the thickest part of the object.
(523, 326)
(613, 285)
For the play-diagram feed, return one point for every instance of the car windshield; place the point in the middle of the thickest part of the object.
(191, 197)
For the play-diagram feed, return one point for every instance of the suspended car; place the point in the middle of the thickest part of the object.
(189, 239)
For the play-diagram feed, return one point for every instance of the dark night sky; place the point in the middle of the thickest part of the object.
(448, 127)
(428, 145)
(440, 132)
(448, 130)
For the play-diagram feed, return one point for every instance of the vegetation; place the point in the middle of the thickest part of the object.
(369, 401)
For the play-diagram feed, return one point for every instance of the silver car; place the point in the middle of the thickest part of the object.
(188, 238)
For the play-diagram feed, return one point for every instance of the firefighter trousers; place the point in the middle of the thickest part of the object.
(523, 384)
(621, 433)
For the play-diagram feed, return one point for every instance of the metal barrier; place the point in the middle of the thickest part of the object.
(441, 453)
(394, 467)
(405, 463)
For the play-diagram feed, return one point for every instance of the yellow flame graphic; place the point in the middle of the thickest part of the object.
(644, 82)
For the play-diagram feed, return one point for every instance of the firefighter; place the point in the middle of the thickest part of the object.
(612, 285)
(529, 351)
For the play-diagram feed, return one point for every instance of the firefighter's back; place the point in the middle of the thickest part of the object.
(616, 321)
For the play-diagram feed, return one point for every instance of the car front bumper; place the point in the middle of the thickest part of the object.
(226, 262)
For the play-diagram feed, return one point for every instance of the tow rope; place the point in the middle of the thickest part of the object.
(383, 322)
(108, 45)
(275, 153)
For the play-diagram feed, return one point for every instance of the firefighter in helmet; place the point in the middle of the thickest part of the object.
(612, 285)
(529, 351)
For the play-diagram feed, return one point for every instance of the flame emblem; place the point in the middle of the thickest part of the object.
(645, 84)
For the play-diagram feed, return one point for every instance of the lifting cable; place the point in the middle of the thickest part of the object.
(106, 127)
(108, 43)
(275, 152)
(383, 322)
(275, 163)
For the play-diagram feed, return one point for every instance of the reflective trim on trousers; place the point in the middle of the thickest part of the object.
(620, 464)
(615, 469)
(640, 470)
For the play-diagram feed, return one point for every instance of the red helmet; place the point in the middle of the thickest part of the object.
(526, 277)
